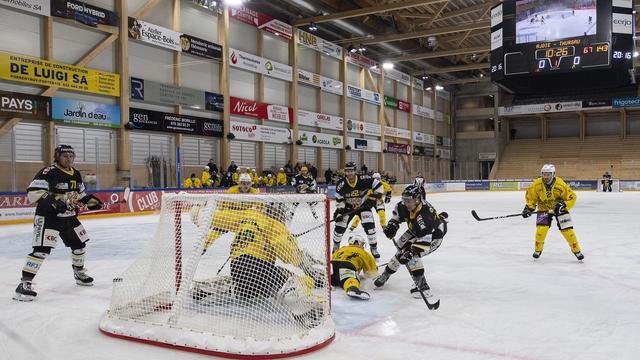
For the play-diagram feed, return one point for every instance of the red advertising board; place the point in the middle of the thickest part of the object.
(262, 21)
(396, 148)
(260, 110)
(404, 106)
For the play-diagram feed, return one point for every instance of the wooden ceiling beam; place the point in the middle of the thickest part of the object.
(439, 54)
(482, 25)
(365, 11)
(450, 69)
(464, 81)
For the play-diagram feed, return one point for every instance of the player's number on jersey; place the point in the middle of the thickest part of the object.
(74, 184)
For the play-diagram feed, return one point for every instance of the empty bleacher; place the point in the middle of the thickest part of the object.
(574, 159)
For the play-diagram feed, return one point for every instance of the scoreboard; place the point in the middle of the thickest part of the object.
(538, 43)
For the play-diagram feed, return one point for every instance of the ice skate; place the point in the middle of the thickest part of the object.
(24, 292)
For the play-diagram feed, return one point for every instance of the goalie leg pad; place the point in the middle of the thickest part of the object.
(306, 308)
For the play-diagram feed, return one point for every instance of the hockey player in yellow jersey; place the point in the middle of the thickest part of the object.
(348, 262)
(382, 215)
(206, 177)
(281, 178)
(553, 198)
(260, 238)
(244, 186)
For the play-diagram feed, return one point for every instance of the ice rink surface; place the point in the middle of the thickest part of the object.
(557, 25)
(497, 302)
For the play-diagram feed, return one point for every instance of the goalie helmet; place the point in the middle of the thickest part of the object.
(357, 239)
(350, 166)
(377, 176)
(548, 168)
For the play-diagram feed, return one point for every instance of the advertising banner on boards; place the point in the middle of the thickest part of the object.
(84, 13)
(262, 22)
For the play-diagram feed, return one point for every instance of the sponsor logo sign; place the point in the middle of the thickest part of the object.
(582, 184)
(27, 69)
(423, 138)
(141, 119)
(72, 111)
(253, 132)
(422, 151)
(262, 22)
(324, 83)
(596, 103)
(310, 138)
(395, 132)
(503, 185)
(444, 153)
(396, 148)
(246, 61)
(365, 95)
(496, 39)
(496, 15)
(623, 3)
(398, 76)
(361, 127)
(308, 77)
(418, 84)
(24, 106)
(622, 23)
(487, 156)
(626, 102)
(364, 144)
(84, 13)
(260, 110)
(476, 185)
(324, 121)
(154, 34)
(165, 94)
(40, 7)
(199, 47)
(423, 111)
(362, 61)
(541, 108)
(319, 44)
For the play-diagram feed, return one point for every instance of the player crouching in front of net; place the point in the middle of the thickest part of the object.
(348, 262)
(58, 190)
(353, 198)
(554, 198)
(265, 259)
(426, 229)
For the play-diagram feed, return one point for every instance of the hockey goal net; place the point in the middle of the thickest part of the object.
(230, 275)
(601, 184)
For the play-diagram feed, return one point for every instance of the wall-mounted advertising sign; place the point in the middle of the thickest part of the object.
(165, 94)
(362, 61)
(398, 76)
(324, 83)
(27, 69)
(40, 7)
(246, 61)
(361, 94)
(262, 22)
(396, 132)
(141, 119)
(72, 111)
(173, 40)
(362, 127)
(310, 138)
(260, 110)
(319, 44)
(24, 106)
(84, 13)
(364, 144)
(396, 148)
(253, 132)
(423, 138)
(324, 121)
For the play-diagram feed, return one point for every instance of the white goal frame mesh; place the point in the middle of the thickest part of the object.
(230, 275)
(615, 185)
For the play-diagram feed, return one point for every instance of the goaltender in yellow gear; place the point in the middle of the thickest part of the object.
(553, 199)
(348, 262)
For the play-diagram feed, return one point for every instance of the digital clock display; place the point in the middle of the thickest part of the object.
(572, 57)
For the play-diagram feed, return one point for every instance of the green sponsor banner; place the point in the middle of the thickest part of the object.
(390, 101)
(503, 185)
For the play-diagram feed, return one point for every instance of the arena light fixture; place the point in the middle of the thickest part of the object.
(313, 27)
(387, 65)
(425, 77)
(361, 48)
(635, 54)
(439, 87)
(351, 49)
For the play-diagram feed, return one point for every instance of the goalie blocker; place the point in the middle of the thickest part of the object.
(273, 297)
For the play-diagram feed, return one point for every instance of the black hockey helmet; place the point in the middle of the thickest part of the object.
(350, 166)
(411, 192)
(62, 149)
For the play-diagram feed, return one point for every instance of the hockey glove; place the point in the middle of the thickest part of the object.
(387, 199)
(444, 217)
(527, 211)
(54, 205)
(339, 214)
(391, 229)
(405, 257)
(560, 208)
(92, 202)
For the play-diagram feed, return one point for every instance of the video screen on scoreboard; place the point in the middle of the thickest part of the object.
(548, 20)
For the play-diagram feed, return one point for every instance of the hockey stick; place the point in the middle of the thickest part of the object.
(124, 200)
(475, 215)
(332, 220)
(431, 305)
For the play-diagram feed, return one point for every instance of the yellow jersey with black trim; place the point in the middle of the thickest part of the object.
(546, 196)
(257, 235)
(237, 190)
(361, 259)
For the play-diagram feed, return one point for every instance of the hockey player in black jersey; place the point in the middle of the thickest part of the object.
(58, 191)
(426, 229)
(352, 199)
(305, 184)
